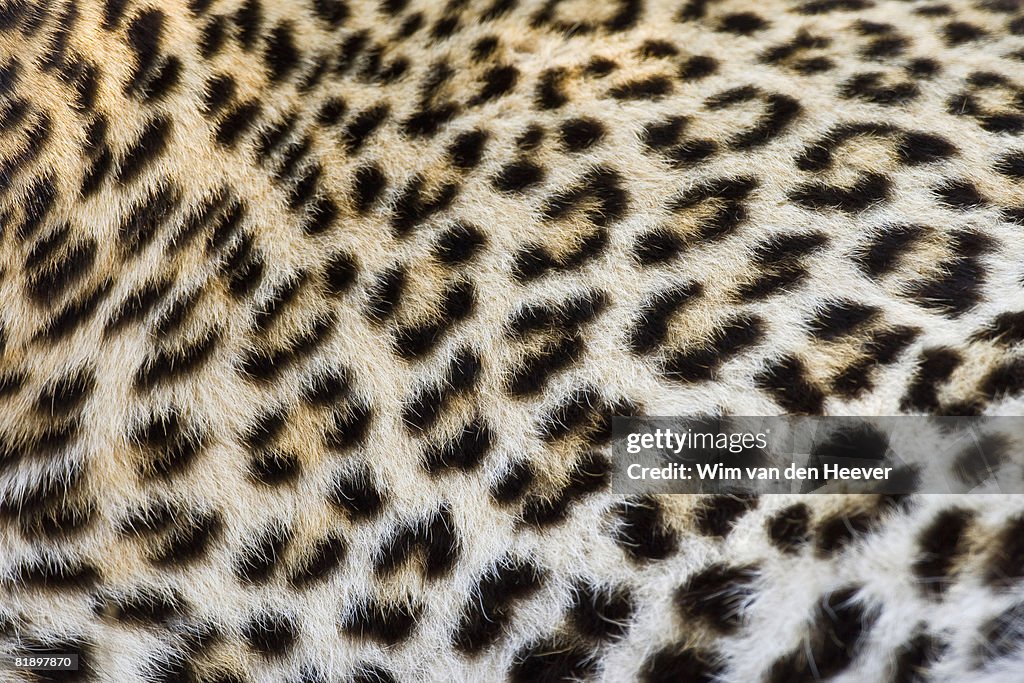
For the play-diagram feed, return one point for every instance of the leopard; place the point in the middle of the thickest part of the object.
(318, 316)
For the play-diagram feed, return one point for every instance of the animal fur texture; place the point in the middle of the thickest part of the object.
(315, 314)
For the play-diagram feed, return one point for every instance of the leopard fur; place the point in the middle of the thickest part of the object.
(316, 313)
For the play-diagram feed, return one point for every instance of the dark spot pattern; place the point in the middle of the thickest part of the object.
(319, 316)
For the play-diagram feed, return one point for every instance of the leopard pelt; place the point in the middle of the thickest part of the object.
(315, 315)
